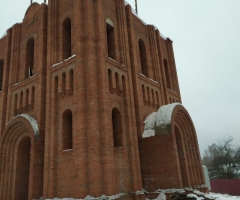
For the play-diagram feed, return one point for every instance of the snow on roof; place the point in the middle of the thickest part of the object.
(32, 121)
(164, 114)
(4, 35)
(158, 121)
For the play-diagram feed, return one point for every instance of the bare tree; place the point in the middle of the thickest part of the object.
(222, 159)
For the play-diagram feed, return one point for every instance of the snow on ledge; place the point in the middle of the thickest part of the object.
(158, 120)
(148, 78)
(64, 60)
(4, 35)
(31, 120)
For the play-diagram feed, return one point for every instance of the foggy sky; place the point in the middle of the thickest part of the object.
(206, 42)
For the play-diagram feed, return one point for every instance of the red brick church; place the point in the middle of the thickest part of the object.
(78, 80)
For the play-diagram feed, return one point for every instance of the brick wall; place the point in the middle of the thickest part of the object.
(61, 59)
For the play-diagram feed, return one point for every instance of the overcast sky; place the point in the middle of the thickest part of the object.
(206, 41)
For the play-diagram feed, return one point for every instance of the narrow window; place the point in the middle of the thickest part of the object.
(117, 128)
(63, 83)
(110, 79)
(71, 79)
(144, 96)
(1, 74)
(170, 99)
(167, 76)
(56, 86)
(148, 95)
(66, 39)
(124, 86)
(27, 96)
(117, 83)
(153, 98)
(21, 99)
(29, 69)
(15, 104)
(110, 39)
(33, 96)
(143, 57)
(157, 99)
(67, 135)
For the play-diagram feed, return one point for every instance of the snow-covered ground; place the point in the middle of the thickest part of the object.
(160, 197)
(224, 196)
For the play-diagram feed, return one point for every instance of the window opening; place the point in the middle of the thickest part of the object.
(143, 57)
(117, 128)
(66, 39)
(30, 58)
(166, 69)
(110, 40)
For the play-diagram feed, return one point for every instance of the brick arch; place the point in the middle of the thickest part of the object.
(187, 147)
(20, 129)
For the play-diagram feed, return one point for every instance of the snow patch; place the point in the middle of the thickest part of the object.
(160, 119)
(161, 196)
(162, 36)
(224, 196)
(173, 190)
(149, 126)
(194, 196)
(64, 60)
(88, 197)
(112, 59)
(74, 55)
(126, 3)
(32, 121)
(4, 35)
(164, 114)
(16, 83)
(153, 80)
(142, 74)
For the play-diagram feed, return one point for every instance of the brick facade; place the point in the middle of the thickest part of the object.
(88, 73)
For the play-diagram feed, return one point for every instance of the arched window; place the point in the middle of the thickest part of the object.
(21, 99)
(67, 134)
(124, 86)
(33, 96)
(66, 39)
(144, 95)
(56, 86)
(143, 57)
(148, 96)
(15, 104)
(153, 98)
(29, 69)
(27, 96)
(110, 79)
(71, 79)
(1, 74)
(157, 99)
(117, 128)
(110, 39)
(63, 83)
(167, 75)
(117, 83)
